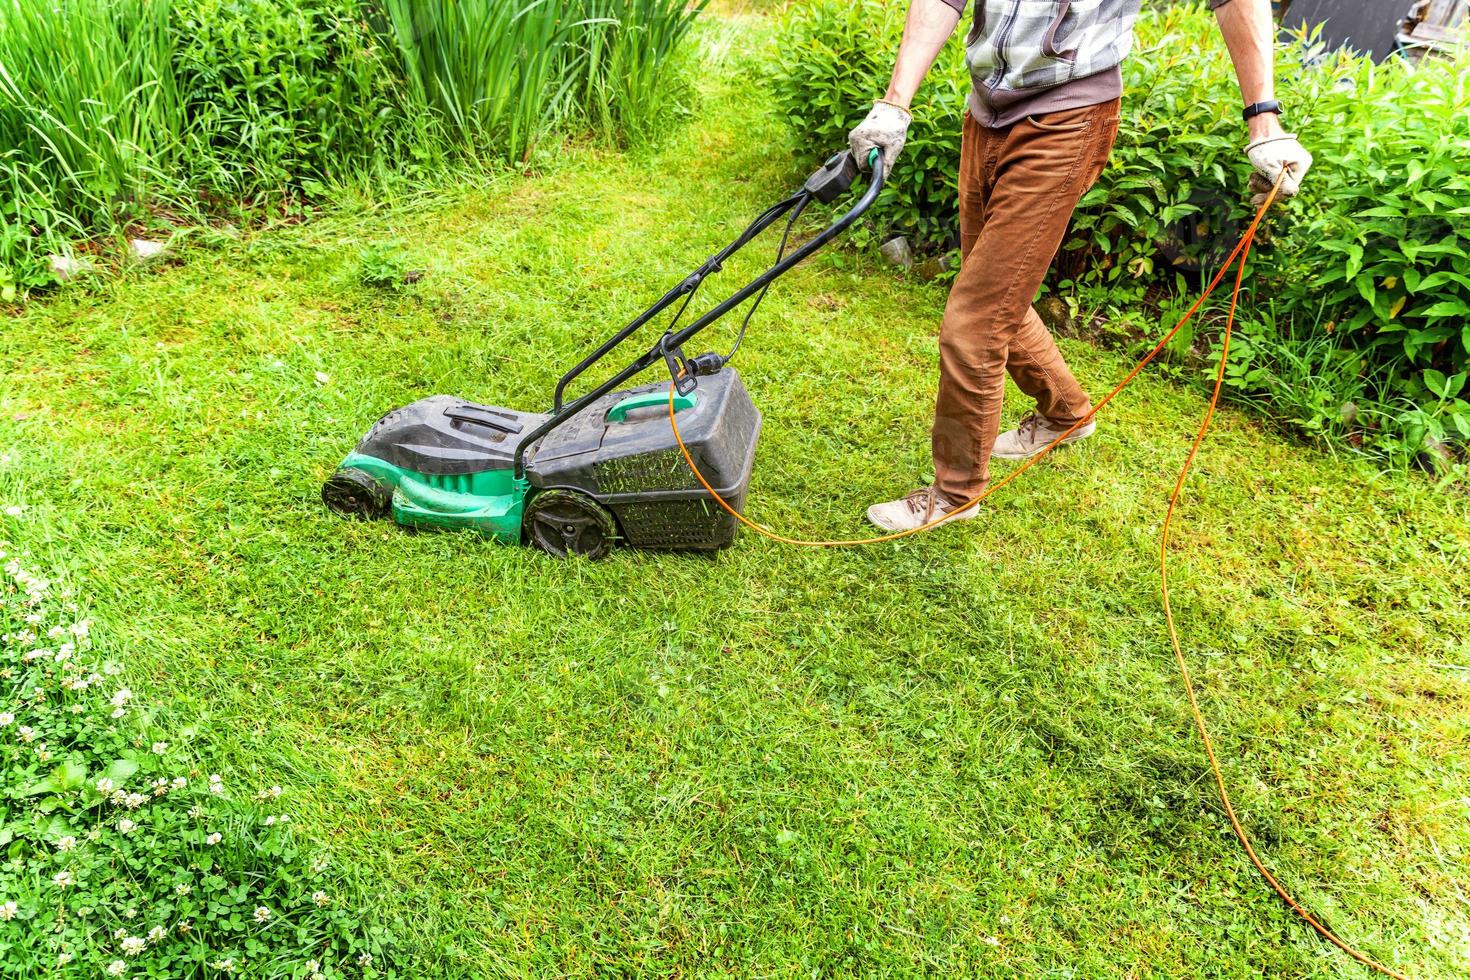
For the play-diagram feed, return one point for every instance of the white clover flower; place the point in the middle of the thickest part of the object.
(319, 863)
(262, 914)
(214, 838)
(104, 786)
(134, 800)
(160, 786)
(184, 926)
(270, 820)
(6, 718)
(8, 909)
(322, 899)
(63, 879)
(55, 633)
(133, 945)
(117, 968)
(178, 782)
(312, 966)
(63, 958)
(111, 669)
(121, 698)
(159, 748)
(27, 733)
(81, 627)
(130, 914)
(226, 965)
(216, 785)
(195, 812)
(156, 934)
(119, 712)
(182, 888)
(76, 709)
(66, 843)
(126, 826)
(364, 959)
(14, 510)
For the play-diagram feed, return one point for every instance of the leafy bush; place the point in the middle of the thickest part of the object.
(123, 858)
(835, 58)
(275, 94)
(1376, 252)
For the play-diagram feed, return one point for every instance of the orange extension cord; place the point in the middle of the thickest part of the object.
(1241, 252)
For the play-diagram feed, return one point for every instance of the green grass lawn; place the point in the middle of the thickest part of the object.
(966, 753)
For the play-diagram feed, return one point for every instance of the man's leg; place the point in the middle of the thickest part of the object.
(1044, 165)
(978, 148)
(1037, 368)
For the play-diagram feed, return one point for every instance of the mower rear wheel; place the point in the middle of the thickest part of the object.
(566, 522)
(353, 493)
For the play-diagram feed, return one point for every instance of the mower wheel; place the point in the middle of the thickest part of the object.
(353, 493)
(566, 522)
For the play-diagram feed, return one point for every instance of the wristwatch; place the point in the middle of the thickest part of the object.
(1256, 108)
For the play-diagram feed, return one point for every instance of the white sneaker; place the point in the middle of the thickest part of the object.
(917, 509)
(1034, 434)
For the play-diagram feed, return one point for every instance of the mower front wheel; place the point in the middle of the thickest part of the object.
(567, 522)
(352, 493)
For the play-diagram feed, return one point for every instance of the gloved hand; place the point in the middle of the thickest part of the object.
(886, 127)
(1269, 156)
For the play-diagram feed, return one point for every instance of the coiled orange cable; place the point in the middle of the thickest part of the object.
(1241, 252)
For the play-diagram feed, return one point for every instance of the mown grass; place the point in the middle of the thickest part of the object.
(962, 754)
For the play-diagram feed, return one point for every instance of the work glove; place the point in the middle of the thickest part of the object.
(886, 127)
(1269, 156)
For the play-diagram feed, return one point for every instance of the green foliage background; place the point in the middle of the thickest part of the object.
(126, 114)
(1372, 256)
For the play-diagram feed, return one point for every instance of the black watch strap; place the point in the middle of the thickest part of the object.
(1256, 108)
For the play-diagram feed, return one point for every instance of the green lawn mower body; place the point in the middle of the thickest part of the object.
(603, 467)
(613, 473)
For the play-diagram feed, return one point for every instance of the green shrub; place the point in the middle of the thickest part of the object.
(1374, 252)
(277, 94)
(835, 59)
(124, 858)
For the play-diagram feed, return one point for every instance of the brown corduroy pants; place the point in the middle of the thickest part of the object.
(1018, 186)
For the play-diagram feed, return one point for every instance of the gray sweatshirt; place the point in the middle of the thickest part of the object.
(1028, 57)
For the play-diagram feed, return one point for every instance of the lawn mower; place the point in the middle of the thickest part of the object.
(603, 467)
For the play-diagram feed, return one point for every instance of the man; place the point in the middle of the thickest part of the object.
(1043, 115)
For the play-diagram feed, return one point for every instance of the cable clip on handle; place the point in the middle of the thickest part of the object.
(680, 370)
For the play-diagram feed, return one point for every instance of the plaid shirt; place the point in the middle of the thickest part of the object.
(1019, 48)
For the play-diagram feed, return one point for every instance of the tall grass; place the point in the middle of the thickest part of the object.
(89, 112)
(117, 111)
(500, 75)
(488, 71)
(629, 45)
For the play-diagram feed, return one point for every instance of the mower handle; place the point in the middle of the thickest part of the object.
(834, 177)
